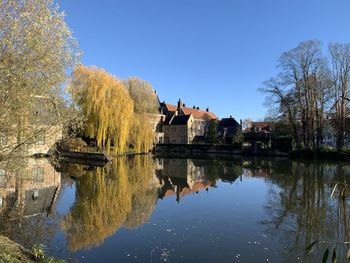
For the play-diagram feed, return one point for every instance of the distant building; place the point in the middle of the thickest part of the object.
(156, 121)
(260, 126)
(330, 132)
(227, 128)
(178, 129)
(196, 127)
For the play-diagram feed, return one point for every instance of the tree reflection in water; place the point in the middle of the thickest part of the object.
(300, 207)
(108, 198)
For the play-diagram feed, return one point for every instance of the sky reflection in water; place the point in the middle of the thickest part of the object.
(142, 209)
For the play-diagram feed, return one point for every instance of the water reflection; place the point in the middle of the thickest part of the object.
(124, 194)
(107, 198)
(181, 177)
(28, 191)
(294, 197)
(300, 208)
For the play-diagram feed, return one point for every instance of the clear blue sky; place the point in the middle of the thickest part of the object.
(212, 53)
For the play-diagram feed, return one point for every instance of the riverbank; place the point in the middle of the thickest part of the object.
(207, 150)
(12, 252)
(203, 150)
(192, 150)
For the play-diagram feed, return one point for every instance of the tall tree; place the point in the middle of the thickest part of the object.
(145, 103)
(106, 104)
(301, 91)
(144, 97)
(111, 115)
(340, 57)
(36, 47)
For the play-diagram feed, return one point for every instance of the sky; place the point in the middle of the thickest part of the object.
(209, 53)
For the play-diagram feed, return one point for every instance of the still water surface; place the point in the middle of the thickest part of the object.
(145, 209)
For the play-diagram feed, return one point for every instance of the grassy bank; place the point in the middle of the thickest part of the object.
(11, 252)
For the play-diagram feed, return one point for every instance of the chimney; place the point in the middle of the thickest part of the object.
(230, 116)
(179, 105)
(240, 122)
(184, 104)
(207, 109)
(197, 108)
(194, 107)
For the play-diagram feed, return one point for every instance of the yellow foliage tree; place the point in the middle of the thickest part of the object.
(145, 102)
(36, 48)
(106, 104)
(141, 134)
(144, 97)
(115, 112)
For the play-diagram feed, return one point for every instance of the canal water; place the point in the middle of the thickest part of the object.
(145, 209)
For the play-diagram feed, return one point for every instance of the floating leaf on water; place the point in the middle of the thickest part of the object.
(310, 248)
(325, 256)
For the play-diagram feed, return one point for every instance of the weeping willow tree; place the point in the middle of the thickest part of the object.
(106, 104)
(141, 134)
(116, 111)
(121, 194)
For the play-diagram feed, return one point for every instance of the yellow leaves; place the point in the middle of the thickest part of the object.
(36, 50)
(109, 109)
(107, 105)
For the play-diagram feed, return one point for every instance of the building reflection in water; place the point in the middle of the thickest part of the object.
(181, 177)
(28, 191)
(124, 194)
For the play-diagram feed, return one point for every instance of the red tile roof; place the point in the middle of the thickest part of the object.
(261, 124)
(197, 114)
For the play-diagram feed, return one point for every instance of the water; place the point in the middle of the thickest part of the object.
(144, 209)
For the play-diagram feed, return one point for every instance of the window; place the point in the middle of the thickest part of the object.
(40, 139)
(38, 174)
(35, 195)
(1, 201)
(2, 177)
(3, 139)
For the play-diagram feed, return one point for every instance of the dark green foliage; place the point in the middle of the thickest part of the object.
(237, 137)
(212, 132)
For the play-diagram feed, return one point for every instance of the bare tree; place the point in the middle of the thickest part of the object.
(340, 58)
(300, 91)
